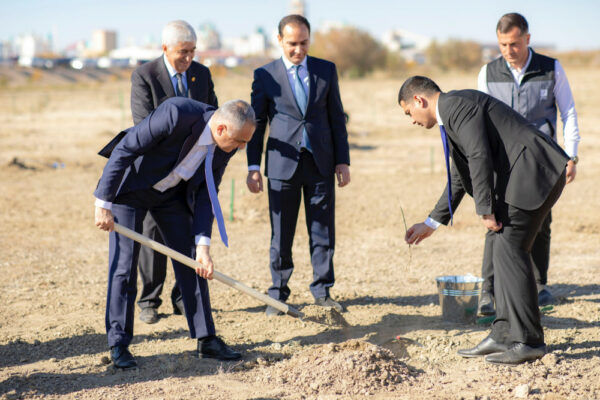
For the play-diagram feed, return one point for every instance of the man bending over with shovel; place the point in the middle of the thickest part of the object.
(170, 165)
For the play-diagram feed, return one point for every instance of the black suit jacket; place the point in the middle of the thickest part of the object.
(274, 102)
(496, 155)
(150, 150)
(151, 85)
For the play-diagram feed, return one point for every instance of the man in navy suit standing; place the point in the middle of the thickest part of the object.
(299, 97)
(169, 165)
(170, 75)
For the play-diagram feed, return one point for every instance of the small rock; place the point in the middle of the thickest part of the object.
(105, 360)
(521, 391)
(276, 346)
(550, 360)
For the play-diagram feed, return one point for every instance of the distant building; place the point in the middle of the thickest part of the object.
(298, 7)
(255, 44)
(7, 50)
(208, 38)
(135, 54)
(411, 46)
(31, 45)
(103, 41)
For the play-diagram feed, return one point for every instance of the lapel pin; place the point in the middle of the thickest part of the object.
(193, 79)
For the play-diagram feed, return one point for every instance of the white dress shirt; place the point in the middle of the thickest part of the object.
(562, 94)
(291, 73)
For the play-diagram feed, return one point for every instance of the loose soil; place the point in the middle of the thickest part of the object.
(390, 343)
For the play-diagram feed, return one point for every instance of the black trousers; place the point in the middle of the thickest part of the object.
(517, 311)
(153, 269)
(319, 206)
(540, 253)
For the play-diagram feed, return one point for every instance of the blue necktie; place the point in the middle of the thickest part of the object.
(302, 101)
(212, 193)
(446, 156)
(180, 88)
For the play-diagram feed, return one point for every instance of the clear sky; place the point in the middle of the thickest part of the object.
(572, 24)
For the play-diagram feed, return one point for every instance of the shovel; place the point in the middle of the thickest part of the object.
(190, 262)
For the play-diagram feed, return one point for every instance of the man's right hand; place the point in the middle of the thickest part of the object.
(104, 219)
(254, 181)
(417, 233)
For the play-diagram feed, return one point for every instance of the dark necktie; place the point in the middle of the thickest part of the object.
(302, 101)
(180, 92)
(446, 156)
(212, 193)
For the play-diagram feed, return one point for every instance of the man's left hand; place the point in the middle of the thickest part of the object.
(342, 173)
(203, 257)
(571, 171)
(489, 220)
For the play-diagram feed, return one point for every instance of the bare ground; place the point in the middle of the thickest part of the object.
(53, 268)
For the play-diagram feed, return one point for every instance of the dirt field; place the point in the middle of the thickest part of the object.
(53, 264)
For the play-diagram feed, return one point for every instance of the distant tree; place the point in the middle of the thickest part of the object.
(454, 54)
(354, 52)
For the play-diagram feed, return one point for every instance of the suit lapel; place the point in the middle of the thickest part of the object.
(164, 78)
(312, 82)
(191, 79)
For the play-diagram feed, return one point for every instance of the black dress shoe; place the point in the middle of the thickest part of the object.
(486, 304)
(545, 298)
(214, 347)
(328, 302)
(518, 353)
(149, 315)
(122, 358)
(486, 346)
(178, 308)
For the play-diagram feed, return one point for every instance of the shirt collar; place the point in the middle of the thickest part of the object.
(437, 112)
(288, 64)
(206, 138)
(170, 68)
(512, 69)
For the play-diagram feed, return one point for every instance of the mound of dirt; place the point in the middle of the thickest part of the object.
(325, 316)
(349, 368)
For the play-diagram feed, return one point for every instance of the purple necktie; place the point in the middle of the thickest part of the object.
(212, 193)
(446, 156)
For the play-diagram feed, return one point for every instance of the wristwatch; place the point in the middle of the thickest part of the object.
(575, 159)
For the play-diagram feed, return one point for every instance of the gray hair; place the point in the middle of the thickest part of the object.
(177, 32)
(237, 113)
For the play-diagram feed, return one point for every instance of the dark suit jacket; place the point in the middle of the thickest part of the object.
(274, 102)
(496, 155)
(151, 85)
(150, 150)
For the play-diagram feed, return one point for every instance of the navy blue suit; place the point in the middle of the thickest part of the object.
(147, 153)
(293, 171)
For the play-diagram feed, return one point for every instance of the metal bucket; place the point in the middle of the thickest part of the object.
(459, 295)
